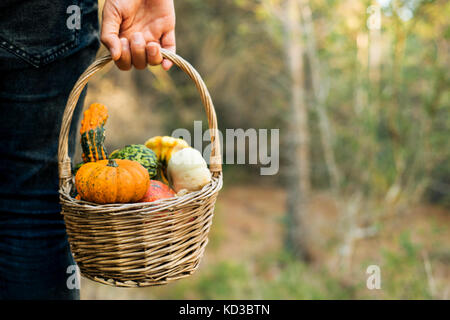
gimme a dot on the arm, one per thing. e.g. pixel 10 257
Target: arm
pixel 135 30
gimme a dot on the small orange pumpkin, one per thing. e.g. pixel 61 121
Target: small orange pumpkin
pixel 112 181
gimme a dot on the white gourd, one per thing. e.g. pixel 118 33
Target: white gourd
pixel 188 170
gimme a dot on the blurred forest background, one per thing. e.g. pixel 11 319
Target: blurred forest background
pixel 360 93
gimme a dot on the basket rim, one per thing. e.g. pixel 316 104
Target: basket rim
pixel 207 191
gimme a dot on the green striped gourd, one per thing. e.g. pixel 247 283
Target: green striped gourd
pixel 140 153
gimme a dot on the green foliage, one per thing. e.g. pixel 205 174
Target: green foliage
pixel 293 279
pixel 284 278
pixel 403 272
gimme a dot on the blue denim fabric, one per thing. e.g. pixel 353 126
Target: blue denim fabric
pixel 34 258
pixel 40 61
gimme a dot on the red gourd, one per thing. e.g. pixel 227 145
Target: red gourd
pixel 157 190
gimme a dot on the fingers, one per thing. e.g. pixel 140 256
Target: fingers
pixel 166 64
pixel 110 31
pixel 154 56
pixel 168 42
pixel 135 52
pixel 138 52
pixel 124 63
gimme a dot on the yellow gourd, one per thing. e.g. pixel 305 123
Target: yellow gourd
pixel 165 147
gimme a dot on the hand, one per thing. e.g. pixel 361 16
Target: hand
pixel 135 30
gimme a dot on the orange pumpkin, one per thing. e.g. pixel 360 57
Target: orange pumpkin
pixel 112 181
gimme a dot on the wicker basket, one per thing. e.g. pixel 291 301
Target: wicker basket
pixel 139 244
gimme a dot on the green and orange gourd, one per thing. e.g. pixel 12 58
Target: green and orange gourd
pixel 93 133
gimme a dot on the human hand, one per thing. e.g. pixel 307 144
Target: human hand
pixel 135 30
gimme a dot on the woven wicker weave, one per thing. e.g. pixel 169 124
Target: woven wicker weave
pixel 139 244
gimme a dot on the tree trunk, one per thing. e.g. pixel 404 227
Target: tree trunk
pixel 320 91
pixel 298 178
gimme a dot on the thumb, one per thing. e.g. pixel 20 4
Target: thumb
pixel 110 31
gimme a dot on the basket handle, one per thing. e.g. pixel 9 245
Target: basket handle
pixel 64 162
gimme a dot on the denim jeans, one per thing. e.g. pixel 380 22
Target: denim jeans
pixel 41 58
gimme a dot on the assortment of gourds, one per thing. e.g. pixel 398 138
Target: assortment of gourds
pixel 163 167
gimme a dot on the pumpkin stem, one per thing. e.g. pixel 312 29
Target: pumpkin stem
pixel 112 163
